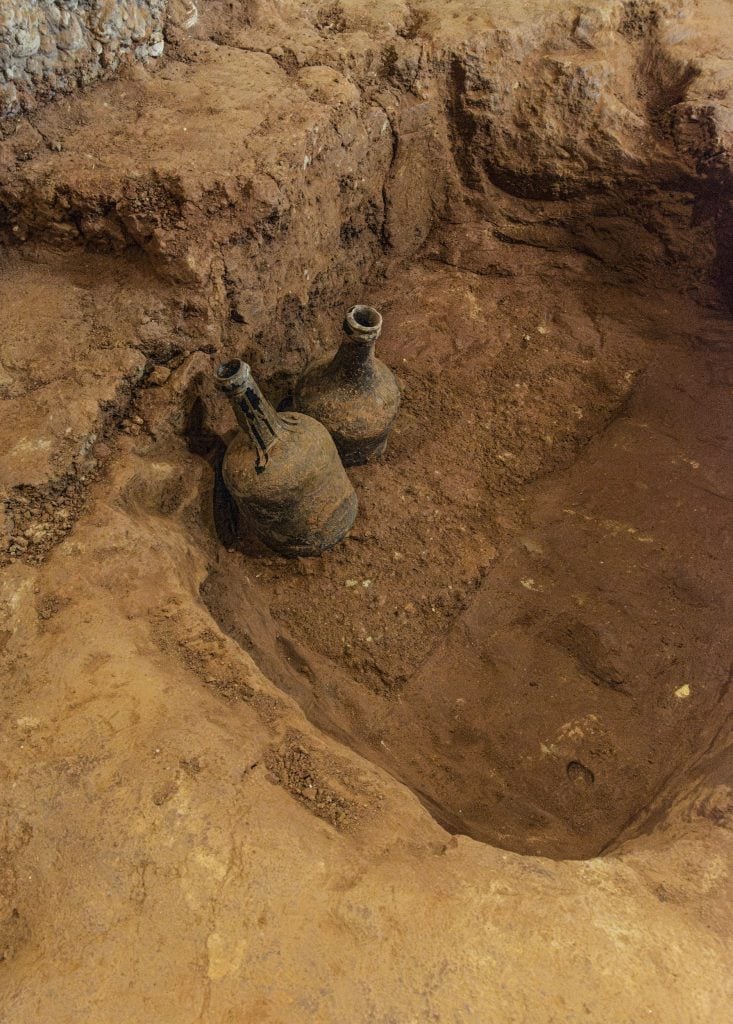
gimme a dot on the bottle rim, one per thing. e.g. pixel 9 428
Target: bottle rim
pixel 232 374
pixel 363 322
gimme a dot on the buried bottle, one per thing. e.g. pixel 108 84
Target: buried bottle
pixel 284 472
pixel 353 394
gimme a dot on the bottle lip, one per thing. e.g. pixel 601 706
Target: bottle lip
pixel 232 375
pixel 363 322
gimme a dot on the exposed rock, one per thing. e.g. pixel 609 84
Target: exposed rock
pixel 50 47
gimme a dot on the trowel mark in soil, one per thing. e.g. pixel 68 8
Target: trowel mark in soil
pixel 584 644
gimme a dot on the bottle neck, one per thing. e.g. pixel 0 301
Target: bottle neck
pixel 255 415
pixel 354 358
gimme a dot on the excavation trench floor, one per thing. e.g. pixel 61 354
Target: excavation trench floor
pixel 527 624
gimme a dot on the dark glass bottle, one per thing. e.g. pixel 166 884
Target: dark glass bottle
pixel 284 472
pixel 353 394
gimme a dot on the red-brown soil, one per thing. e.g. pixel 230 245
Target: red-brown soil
pixel 238 788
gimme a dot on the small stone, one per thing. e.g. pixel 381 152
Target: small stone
pixel 158 376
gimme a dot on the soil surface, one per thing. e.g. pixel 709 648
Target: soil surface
pixel 478 755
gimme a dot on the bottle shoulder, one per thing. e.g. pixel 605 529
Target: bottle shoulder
pixel 304 449
pixel 374 383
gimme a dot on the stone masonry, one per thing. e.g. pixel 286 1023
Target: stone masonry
pixel 53 46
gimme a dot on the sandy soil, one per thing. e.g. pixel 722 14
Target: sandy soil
pixel 474 762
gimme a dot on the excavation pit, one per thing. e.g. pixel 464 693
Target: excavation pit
pixel 522 625
pixel 478 754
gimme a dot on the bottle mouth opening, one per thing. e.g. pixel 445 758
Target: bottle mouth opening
pixel 364 321
pixel 232 374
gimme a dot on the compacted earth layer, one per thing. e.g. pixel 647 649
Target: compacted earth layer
pixel 474 762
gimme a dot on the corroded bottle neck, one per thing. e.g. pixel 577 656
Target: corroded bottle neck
pixel 354 357
pixel 254 413
pixel 362 327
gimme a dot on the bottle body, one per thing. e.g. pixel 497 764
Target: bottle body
pixel 284 473
pixel 353 394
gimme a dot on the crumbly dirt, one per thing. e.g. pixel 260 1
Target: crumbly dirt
pixel 478 755
pixel 328 788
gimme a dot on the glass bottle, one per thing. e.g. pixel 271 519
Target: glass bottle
pixel 284 472
pixel 353 394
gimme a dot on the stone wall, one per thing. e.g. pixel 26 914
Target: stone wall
pixel 52 46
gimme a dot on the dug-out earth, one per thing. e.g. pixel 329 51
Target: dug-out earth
pixel 473 763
